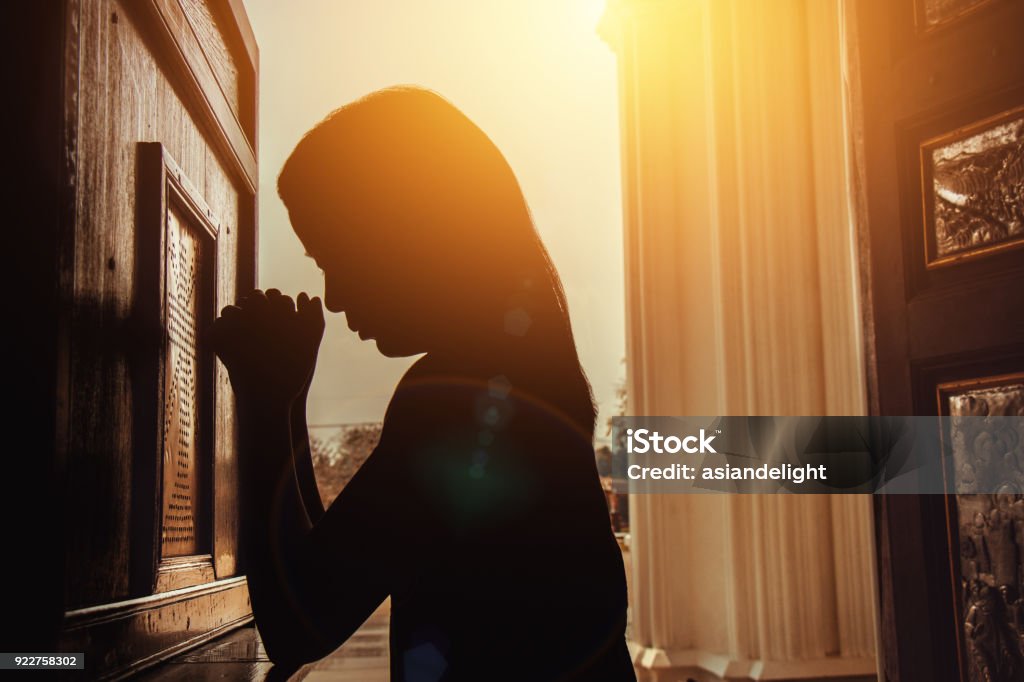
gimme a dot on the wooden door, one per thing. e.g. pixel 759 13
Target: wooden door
pixel 938 133
pixel 136 221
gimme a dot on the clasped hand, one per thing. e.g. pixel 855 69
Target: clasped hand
pixel 269 344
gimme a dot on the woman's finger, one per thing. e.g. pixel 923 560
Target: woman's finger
pixel 219 336
pixel 311 311
pixel 284 303
pixel 318 308
pixel 255 300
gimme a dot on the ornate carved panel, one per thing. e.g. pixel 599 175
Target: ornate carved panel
pixel 974 189
pixel 182 466
pixel 990 527
pixel 179 255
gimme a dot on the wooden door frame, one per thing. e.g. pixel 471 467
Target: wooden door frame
pixel 918 593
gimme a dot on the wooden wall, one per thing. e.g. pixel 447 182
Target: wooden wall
pixel 181 73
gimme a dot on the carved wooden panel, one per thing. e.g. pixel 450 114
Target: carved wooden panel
pixel 987 455
pixel 934 82
pixel 974 189
pixel 180 255
pixel 990 527
pixel 183 399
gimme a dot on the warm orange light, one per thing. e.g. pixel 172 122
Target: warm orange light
pixel 533 74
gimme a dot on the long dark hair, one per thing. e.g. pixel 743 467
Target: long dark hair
pixel 415 183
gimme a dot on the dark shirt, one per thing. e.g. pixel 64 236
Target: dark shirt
pixel 489 529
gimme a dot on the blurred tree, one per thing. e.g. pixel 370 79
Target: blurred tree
pixel 604 460
pixel 337 457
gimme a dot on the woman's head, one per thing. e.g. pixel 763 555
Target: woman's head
pixel 421 230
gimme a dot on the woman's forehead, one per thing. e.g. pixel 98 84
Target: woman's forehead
pixel 316 230
pixel 325 241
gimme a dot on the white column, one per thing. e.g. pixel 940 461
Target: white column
pixel 741 297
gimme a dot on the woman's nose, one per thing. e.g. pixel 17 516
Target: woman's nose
pixel 332 299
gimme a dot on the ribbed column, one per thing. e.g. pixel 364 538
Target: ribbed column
pixel 668 275
pixel 741 299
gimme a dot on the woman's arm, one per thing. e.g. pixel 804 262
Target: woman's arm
pixel 274 524
pixel 303 458
pixel 311 585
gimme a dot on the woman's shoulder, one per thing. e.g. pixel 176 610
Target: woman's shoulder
pixel 430 376
pixel 436 391
pixel 468 393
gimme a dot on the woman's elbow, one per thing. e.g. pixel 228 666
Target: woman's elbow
pixel 289 644
pixel 292 652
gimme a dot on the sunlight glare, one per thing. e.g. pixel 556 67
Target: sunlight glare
pixel 590 12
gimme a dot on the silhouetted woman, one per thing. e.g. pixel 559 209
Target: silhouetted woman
pixel 480 511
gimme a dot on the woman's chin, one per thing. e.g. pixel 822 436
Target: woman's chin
pixel 393 349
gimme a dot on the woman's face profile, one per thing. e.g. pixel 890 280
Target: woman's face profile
pixel 384 300
pixel 417 222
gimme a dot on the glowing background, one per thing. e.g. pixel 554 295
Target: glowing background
pixel 532 73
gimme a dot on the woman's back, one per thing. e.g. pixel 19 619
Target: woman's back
pixel 515 572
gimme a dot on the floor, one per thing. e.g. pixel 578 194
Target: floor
pixel 363 658
pixel 240 656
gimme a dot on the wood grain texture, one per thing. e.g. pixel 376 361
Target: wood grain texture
pixel 215 46
pixel 131 635
pixel 126 97
pixel 184 60
pixel 167 201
